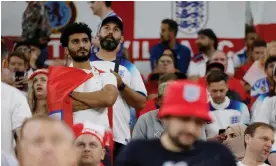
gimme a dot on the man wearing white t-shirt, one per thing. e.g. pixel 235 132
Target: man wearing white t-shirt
pixel 223 110
pixel 14 110
pixel 90 99
pixel 258 138
pixel 130 84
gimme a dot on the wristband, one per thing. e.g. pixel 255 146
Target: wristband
pixel 122 87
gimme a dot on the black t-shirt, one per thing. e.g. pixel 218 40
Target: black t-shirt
pixel 152 153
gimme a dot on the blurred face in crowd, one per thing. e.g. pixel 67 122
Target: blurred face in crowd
pixel 165 34
pixel 24 49
pixel 89 150
pixel 40 86
pixel 220 57
pixel 96 6
pixel 110 36
pixel 260 143
pixel 184 131
pixel 272 48
pixel 204 43
pixel 258 52
pixel 250 38
pixel 218 91
pixel 79 46
pixel 17 64
pixel 165 63
pixel 269 70
pixel 46 143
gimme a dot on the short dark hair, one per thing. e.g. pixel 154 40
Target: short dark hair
pixel 269 60
pixel 167 77
pixel 33 42
pixel 259 43
pixel 272 91
pixel 251 129
pixel 18 44
pixel 18 54
pixel 216 76
pixel 73 28
pixel 4 50
pixel 173 26
pixel 249 29
pixel 108 3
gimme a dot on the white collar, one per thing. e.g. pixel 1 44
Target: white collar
pixel 221 106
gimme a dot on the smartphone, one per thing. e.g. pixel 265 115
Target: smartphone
pixel 221 131
pixel 18 75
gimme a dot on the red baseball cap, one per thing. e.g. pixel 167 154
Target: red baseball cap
pixel 185 98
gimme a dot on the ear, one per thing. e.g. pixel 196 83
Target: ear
pixel 103 154
pixel 66 51
pixel 246 138
pixel 122 39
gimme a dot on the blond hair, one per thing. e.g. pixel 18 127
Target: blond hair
pixel 270 45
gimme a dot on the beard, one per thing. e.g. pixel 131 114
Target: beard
pixel 109 43
pixel 165 41
pixel 178 143
pixel 203 48
pixel 81 57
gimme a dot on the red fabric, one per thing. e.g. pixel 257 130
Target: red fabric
pixel 152 87
pixel 61 82
pixel 150 105
pixel 241 71
pixel 233 84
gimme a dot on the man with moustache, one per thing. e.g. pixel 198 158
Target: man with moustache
pixel 207 44
pixel 169 29
pixel 184 112
pixel 91 98
pixel 132 91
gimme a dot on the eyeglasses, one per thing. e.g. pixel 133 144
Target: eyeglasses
pixel 23 50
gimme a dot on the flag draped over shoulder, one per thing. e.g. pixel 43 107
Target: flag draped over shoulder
pixel 61 82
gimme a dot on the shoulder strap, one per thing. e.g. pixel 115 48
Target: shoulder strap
pixel 117 63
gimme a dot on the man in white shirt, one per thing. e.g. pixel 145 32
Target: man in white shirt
pixel 207 44
pixel 223 110
pixel 130 84
pixel 14 110
pixel 258 138
pixel 90 99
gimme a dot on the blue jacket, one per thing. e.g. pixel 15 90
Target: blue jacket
pixel 182 60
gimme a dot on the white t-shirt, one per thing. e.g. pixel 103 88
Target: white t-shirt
pixel 267 114
pixel 96 83
pixel 241 164
pixel 14 110
pixel 121 110
pixel 198 68
pixel 225 114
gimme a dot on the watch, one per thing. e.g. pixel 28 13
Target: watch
pixel 122 87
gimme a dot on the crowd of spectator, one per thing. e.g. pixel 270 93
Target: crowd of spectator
pixel 206 109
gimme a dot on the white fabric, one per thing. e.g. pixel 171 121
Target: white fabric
pixel 8 159
pixel 254 73
pixel 241 164
pixel 14 110
pixel 236 60
pixel 96 83
pixel 267 114
pixel 225 114
pixel 199 68
pixel 121 110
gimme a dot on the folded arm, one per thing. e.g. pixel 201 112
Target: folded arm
pixel 133 98
pixel 97 99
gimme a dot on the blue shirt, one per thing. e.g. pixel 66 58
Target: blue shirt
pixel 183 56
pixel 152 153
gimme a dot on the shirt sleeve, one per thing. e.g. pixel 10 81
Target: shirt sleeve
pixel 20 110
pixel 230 68
pixel 137 83
pixel 245 117
pixel 139 131
pixel 263 114
pixel 108 79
